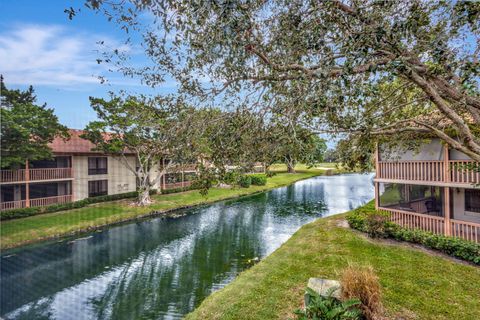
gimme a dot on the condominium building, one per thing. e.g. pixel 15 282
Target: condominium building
pixel 74 173
pixel 433 188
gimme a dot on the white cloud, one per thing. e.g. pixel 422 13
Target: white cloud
pixel 51 55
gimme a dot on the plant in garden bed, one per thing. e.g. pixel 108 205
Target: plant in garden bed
pixel 329 308
pixel 244 181
pixel 258 179
pixel 362 283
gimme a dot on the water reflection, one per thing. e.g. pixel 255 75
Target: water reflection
pixel 164 267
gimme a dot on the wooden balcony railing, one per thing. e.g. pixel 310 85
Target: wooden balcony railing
pixel 177 185
pixel 459 171
pixel 36 202
pixel 461 229
pixel 465 230
pixel 414 220
pixel 462 171
pixel 20 175
pixel 411 170
pixel 13 205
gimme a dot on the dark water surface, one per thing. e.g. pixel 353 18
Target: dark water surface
pixel 162 268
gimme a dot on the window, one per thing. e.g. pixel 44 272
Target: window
pixel 97 188
pixel 472 200
pixel 97 165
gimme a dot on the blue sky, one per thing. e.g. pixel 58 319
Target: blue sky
pixel 40 46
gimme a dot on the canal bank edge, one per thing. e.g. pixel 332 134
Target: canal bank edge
pixel 274 288
pixel 170 212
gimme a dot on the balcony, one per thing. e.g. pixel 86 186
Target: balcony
pixel 428 171
pixel 438 225
pixel 36 202
pixel 33 175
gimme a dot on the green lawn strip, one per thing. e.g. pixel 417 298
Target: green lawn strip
pixel 416 284
pixel 45 226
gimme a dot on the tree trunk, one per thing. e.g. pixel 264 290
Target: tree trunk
pixel 290 167
pixel 144 197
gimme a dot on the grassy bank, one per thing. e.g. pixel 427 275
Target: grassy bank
pixel 416 284
pixel 46 226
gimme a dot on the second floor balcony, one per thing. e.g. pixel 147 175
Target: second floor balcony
pixel 32 175
pixel 452 171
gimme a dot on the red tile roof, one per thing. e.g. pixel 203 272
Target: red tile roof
pixel 75 144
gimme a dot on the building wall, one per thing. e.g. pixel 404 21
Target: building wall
pixel 459 213
pixel 430 151
pixel 120 179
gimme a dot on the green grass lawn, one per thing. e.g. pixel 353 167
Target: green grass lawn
pixel 416 284
pixel 21 231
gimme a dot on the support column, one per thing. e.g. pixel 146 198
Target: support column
pixel 446 210
pixel 27 184
pixel 446 178
pixel 377 195
pixel 72 181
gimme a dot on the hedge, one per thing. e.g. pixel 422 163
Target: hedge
pixel 176 190
pixel 366 220
pixel 26 212
pixel 258 179
pixel 244 181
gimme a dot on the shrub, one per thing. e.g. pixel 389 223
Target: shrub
pixel 258 179
pixel 456 247
pixel 329 308
pixel 359 219
pixel 244 181
pixel 362 283
pixel 230 177
pixel 375 225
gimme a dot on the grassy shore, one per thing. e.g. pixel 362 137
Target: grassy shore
pixel 416 284
pixel 47 226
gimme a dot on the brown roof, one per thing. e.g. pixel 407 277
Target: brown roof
pixel 75 144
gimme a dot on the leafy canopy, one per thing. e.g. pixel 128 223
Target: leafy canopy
pixel 343 61
pixel 26 128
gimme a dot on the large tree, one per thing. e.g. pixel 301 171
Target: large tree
pixel 295 144
pixel 336 53
pixel 26 128
pixel 152 129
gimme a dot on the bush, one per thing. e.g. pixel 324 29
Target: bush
pixel 230 177
pixel 360 219
pixel 375 225
pixel 259 179
pixel 362 284
pixel 329 308
pixel 244 181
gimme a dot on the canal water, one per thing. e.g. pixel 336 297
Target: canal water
pixel 162 268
